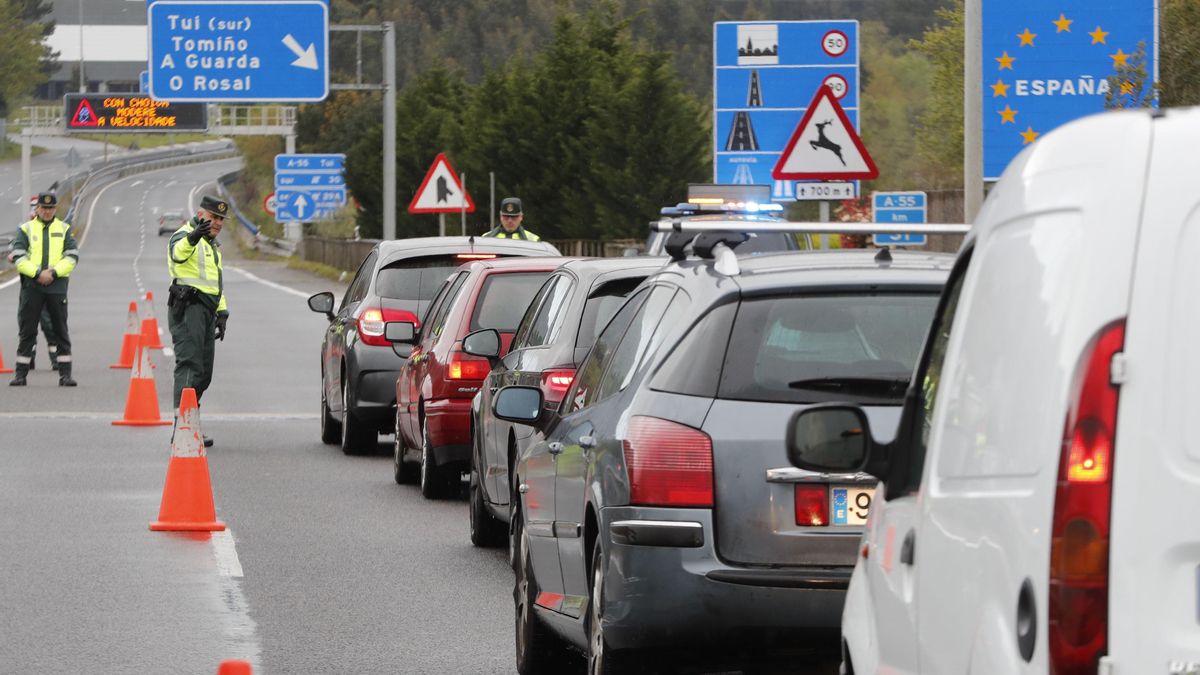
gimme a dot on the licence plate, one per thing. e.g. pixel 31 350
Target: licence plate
pixel 849 505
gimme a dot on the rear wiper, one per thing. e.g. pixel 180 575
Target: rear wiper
pixel 872 385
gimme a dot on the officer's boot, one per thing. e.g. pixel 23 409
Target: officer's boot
pixel 33 360
pixel 64 376
pixel 18 380
pixel 53 353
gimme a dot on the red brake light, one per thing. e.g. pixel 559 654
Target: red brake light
pixel 475 256
pixel 467 367
pixel 371 323
pixel 669 464
pixel 812 505
pixel 555 384
pixel 1082 512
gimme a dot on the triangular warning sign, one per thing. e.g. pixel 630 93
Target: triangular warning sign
pixel 441 191
pixel 825 145
pixel 84 115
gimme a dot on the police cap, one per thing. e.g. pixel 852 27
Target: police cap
pixel 510 206
pixel 215 206
pixel 47 199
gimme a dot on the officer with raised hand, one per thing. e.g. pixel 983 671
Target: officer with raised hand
pixel 510 222
pixel 45 254
pixel 198 313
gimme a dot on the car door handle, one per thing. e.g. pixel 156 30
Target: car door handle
pixel 908 548
pixel 555 447
pixel 587 442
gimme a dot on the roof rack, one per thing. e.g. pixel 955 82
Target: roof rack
pixel 716 239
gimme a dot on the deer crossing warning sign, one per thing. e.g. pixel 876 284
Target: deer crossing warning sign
pixel 825 145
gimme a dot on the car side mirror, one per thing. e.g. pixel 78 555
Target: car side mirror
pixel 522 405
pixel 322 303
pixel 832 438
pixel 403 332
pixel 485 343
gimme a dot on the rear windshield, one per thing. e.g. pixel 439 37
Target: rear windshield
pixel 504 298
pixel 600 306
pixel 811 349
pixel 415 278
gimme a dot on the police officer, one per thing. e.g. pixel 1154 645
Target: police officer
pixel 510 222
pixel 197 297
pixel 45 254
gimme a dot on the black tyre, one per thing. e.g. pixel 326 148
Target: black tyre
pixel 486 530
pixel 601 659
pixel 331 429
pixel 404 472
pixel 538 650
pixel 357 438
pixel 433 484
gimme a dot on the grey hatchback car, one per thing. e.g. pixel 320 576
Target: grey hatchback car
pixel 659 515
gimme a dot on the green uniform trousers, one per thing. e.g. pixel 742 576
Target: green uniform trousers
pixel 31 307
pixel 193 333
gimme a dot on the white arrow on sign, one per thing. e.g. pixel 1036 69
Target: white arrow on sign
pixel 300 202
pixel 307 57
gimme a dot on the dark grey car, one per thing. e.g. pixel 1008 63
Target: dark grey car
pixel 395 282
pixel 555 334
pixel 659 512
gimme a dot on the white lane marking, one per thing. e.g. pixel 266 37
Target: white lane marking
pixel 272 284
pixel 212 417
pixel 10 282
pixel 225 552
pixel 136 183
pixel 92 209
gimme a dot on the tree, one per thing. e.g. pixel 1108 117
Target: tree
pixel 1130 86
pixel 894 99
pixel 20 49
pixel 1179 52
pixel 940 127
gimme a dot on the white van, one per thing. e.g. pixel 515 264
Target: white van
pixel 1040 502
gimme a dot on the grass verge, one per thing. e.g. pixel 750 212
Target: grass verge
pixel 13 151
pixel 144 140
pixel 320 269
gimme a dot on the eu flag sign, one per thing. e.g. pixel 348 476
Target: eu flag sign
pixel 1047 63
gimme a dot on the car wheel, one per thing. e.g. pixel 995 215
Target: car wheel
pixel 402 471
pixel 486 531
pixel 331 430
pixel 514 530
pixel 538 650
pixel 357 439
pixel 601 660
pixel 432 482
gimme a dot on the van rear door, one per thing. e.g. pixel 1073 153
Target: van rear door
pixel 1154 550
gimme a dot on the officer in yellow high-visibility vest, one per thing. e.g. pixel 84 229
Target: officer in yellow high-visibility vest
pixel 510 222
pixel 197 297
pixel 45 253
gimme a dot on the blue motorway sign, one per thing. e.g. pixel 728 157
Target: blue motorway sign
pixel 144 82
pixel 898 208
pixel 1045 64
pixel 239 51
pixel 765 75
pixel 308 186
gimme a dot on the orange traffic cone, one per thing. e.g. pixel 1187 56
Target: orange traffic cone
pixel 141 404
pixel 129 343
pixel 150 325
pixel 187 499
pixel 2 368
pixel 235 667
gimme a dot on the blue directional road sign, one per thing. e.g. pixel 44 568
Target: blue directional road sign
pixel 239 51
pixel 765 75
pixel 144 82
pixel 1045 64
pixel 308 186
pixel 899 208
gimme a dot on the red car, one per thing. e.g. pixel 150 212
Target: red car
pixel 438 381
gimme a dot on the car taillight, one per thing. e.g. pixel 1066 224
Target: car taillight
pixel 371 323
pixel 555 384
pixel 1078 626
pixel 812 505
pixel 466 367
pixel 669 464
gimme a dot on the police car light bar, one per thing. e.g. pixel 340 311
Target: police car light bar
pixel 672 225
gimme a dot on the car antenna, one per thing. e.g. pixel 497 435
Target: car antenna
pixel 884 257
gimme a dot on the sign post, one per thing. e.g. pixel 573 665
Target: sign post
pixel 763 74
pixel 900 208
pixel 239 51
